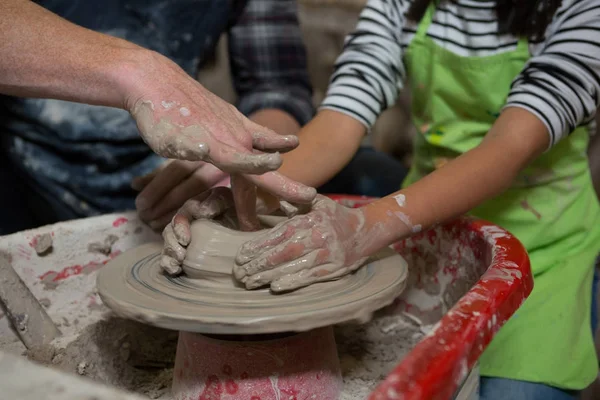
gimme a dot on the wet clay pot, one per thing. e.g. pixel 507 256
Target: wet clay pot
pixel 294 367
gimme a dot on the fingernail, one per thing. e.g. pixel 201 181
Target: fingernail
pixel 292 139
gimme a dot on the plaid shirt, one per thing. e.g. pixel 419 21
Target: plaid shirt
pixel 268 58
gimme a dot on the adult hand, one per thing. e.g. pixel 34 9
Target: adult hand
pixel 180 119
pixel 324 244
pixel 210 204
pixel 165 190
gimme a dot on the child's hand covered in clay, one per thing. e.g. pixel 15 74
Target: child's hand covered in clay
pixel 166 189
pixel 321 245
pixel 177 235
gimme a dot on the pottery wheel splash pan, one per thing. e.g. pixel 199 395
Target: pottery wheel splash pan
pixel 134 286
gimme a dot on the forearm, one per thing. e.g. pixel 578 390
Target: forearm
pixel 488 170
pixel 327 144
pixel 43 55
pixel 277 120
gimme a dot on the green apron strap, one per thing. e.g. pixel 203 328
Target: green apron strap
pixel 523 45
pixel 426 21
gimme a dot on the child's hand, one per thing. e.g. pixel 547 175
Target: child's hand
pixel 178 234
pixel 318 246
pixel 166 189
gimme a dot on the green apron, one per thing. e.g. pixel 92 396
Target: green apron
pixel 551 208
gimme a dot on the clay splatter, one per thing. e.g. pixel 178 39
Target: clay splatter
pixel 42 244
pixel 526 206
pixel 120 221
pixel 51 279
pixel 168 104
pixel 400 199
pixel 104 247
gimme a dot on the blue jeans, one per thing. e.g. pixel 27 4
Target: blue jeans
pixel 369 173
pixel 510 389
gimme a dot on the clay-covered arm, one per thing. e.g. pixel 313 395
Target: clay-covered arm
pixel 516 139
pixel 43 55
pixel 333 240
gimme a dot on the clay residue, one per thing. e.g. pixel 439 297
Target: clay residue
pixel 104 247
pixel 49 281
pixel 45 302
pixel 42 244
pixel 117 352
pixel 368 353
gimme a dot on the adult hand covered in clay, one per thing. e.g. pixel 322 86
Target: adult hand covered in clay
pixel 166 189
pixel 321 245
pixel 178 118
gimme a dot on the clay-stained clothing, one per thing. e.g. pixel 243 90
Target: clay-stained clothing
pixel 81 159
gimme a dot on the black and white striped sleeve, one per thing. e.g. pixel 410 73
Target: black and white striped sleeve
pixel 561 85
pixel 369 73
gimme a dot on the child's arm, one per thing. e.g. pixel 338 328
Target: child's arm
pixel 558 90
pixel 516 139
pixel 327 144
pixel 332 240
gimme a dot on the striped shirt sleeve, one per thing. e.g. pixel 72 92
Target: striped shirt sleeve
pixel 369 73
pixel 561 84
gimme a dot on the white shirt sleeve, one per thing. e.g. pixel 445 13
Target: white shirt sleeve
pixel 561 84
pixel 369 73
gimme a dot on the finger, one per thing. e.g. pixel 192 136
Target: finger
pixel 264 277
pixel 140 182
pixel 286 252
pixel 291 210
pixel 226 181
pixel 206 205
pixel 161 222
pixel 288 209
pixel 201 180
pixel 244 198
pixel 163 183
pixel 182 229
pixel 242 161
pixel 170 265
pixel 209 204
pixel 283 188
pixel 275 237
pixel 307 277
pixel 172 248
pixel 319 273
pixel 271 141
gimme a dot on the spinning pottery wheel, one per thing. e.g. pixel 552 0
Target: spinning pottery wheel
pixel 205 298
